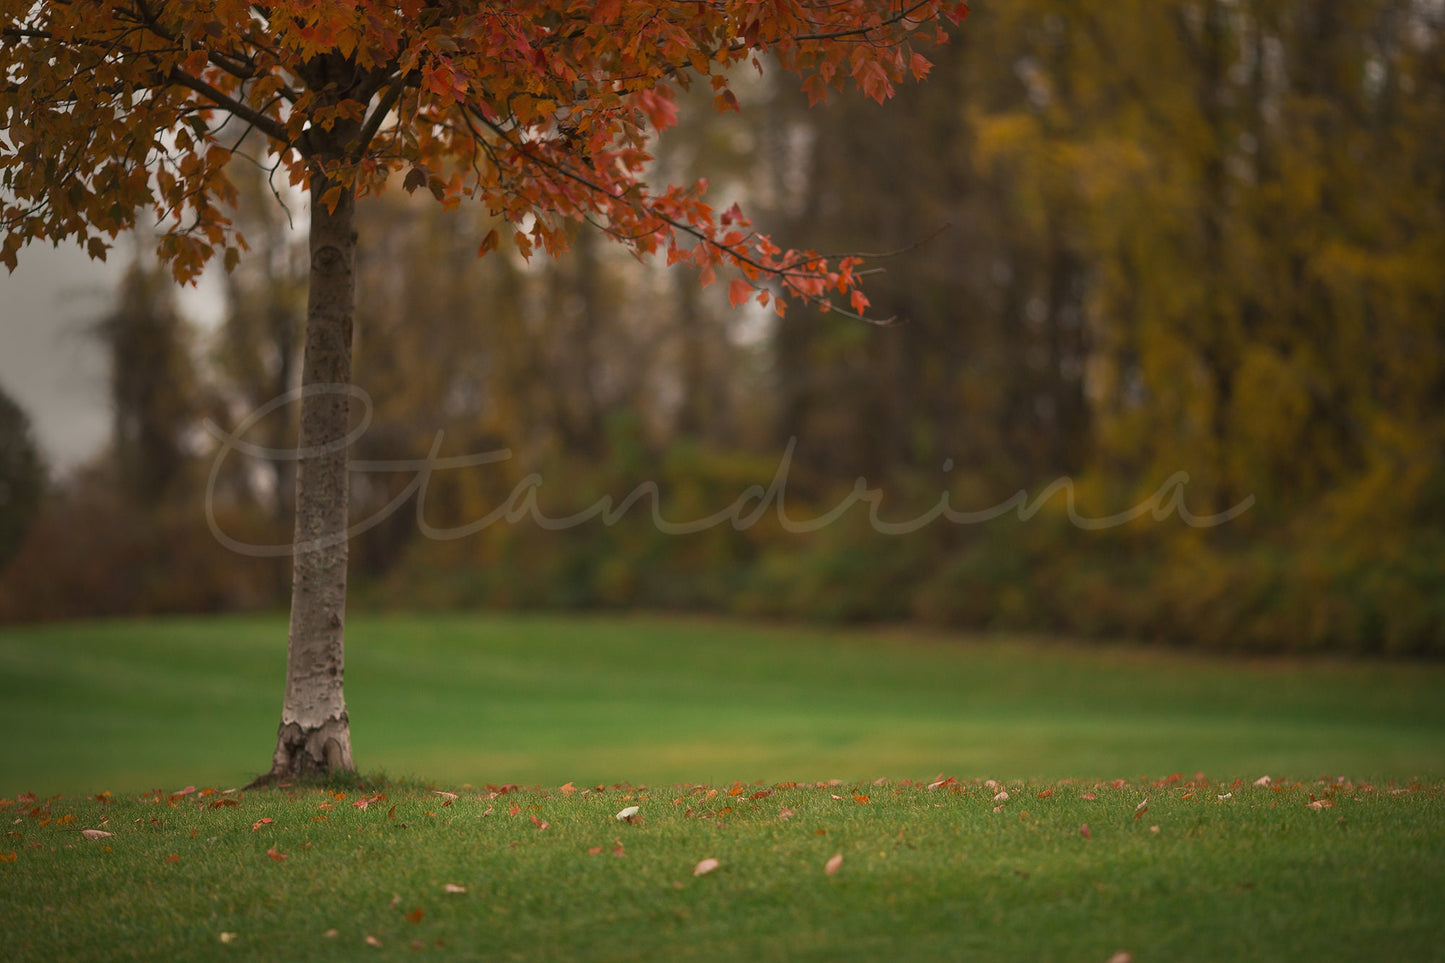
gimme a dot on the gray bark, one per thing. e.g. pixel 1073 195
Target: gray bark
pixel 314 737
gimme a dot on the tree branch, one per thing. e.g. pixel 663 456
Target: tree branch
pixel 266 125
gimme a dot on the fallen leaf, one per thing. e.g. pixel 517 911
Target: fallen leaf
pixel 861 798
pixel 414 916
pixel 706 866
pixel 448 796
pixel 332 933
pixel 1084 831
pixel 1087 795
pixel 539 823
pixel 9 857
pixel 1228 795
pixel 275 854
pixel 1321 804
pixel 453 888
pixel 514 810
pixel 568 789
pixel 1002 796
pixel 628 814
pixel 1188 795
pixel 785 813
pixel 395 901
pixel 942 781
pixel 228 937
pixel 173 858
pixel 1263 781
pixel 264 821
pixel 594 850
pixel 1123 956
pixel 95 833
pixel 372 941
pixel 1045 794
pixel 832 865
pixel 1141 809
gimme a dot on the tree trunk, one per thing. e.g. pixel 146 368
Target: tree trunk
pixel 314 738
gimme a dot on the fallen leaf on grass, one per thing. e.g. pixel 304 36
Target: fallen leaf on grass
pixel 228 937
pixel 453 888
pixel 1228 795
pixel 173 858
pixel 594 850
pixel 332 933
pixel 264 821
pixel 1321 804
pixel 8 857
pixel 539 823
pixel 942 781
pixel 276 854
pixel 1045 794
pixel 1084 831
pixel 1002 796
pixel 785 813
pixel 1263 781
pixel 1141 809
pixel 706 866
pixel 1087 795
pixel 832 865
pixel 630 814
pixel 415 916
pixel 372 941
pixel 95 833
pixel 1123 956
pixel 860 798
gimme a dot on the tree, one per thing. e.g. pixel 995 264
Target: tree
pixel 22 476
pixel 540 110
pixel 153 392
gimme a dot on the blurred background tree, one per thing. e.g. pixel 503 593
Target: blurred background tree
pixel 1129 241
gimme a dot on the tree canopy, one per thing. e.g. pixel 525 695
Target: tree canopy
pixel 542 111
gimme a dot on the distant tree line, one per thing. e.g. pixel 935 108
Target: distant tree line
pixel 1144 238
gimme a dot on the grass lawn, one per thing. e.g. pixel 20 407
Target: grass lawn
pixel 835 736
pixel 543 700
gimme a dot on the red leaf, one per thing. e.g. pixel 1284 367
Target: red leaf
pixel 539 823
pixel 276 854
pixel 1084 831
pixel 263 821
pixel 173 858
pixel 739 291
pixel 415 915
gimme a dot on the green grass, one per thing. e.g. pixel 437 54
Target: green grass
pixel 542 700
pixel 945 873
pixel 678 705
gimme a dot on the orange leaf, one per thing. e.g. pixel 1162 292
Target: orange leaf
pixel 539 823
pixel 860 797
pixel 415 915
pixel 173 858
pixel 263 821
pixel 705 866
pixel 276 854
pixel 739 291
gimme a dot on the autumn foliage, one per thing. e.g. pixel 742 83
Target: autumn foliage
pixel 542 112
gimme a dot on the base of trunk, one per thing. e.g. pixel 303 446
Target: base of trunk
pixel 309 755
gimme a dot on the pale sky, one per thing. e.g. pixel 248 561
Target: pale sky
pixel 48 363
